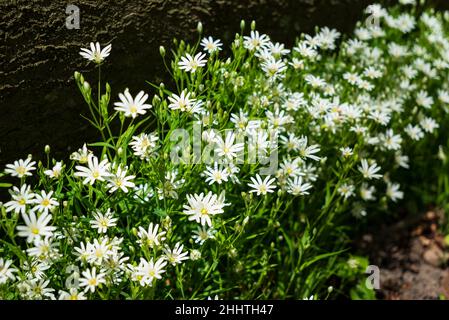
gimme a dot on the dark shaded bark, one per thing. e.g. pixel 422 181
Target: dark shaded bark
pixel 39 101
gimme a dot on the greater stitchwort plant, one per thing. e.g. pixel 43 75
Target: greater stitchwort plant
pixel 240 178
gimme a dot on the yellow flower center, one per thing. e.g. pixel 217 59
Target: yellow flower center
pixel 35 230
pixel 95 174
pixel 204 212
pixel 92 282
pixel 45 202
pixel 21 170
pixel 22 202
pixel 133 109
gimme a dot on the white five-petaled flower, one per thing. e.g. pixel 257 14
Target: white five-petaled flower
pixel 297 187
pixel 6 271
pixel 184 103
pixel 95 171
pixel 175 255
pixel 71 294
pixel 151 237
pixel 202 234
pixel 95 53
pixel 44 202
pixel 216 174
pixel 201 207
pixel 256 41
pixel 191 64
pixel 91 280
pixel 119 180
pixel 262 187
pixel 21 168
pixel 20 199
pixel 369 171
pixel 55 172
pixel 130 106
pixel 103 221
pixel 148 271
pixel 36 227
pixel 227 148
pixel 393 192
pixel 211 45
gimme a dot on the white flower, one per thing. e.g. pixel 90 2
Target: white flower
pixel 96 54
pixel 216 174
pixel 273 68
pixel 184 103
pixel 44 249
pixel 82 155
pixel 367 193
pixel 98 251
pixel 346 152
pixel 308 151
pixel 72 294
pixel 55 172
pixel 20 199
pixel 120 180
pixel 144 145
pixel 6 271
pixel 256 41
pixel 262 187
pixel 211 45
pixel 390 140
pixel 35 227
pixel 227 147
pixel 429 124
pixel 21 168
pixel 414 132
pixel 103 221
pixel 297 187
pixel 202 207
pixel 132 107
pixel 148 271
pixel 95 171
pixel 91 280
pixel 151 237
pixel 44 202
pixel 191 64
pixel 424 100
pixel 369 171
pixel 393 192
pixel 35 268
pixel 175 255
pixel 201 234
pixel 38 289
pixel 346 190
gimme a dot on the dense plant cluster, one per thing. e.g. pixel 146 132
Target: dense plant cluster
pixel 241 180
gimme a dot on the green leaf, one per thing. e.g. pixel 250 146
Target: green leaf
pixel 5 185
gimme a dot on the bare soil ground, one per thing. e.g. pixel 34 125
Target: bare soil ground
pixel 412 256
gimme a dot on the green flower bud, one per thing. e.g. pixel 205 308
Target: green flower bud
pixel 199 27
pixel 253 25
pixel 162 51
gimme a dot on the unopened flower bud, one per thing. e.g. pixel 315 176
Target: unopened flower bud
pixel 47 149
pixel 253 25
pixel 162 51
pixel 242 25
pixel 199 28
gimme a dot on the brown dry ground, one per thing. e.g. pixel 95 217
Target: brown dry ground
pixel 412 257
